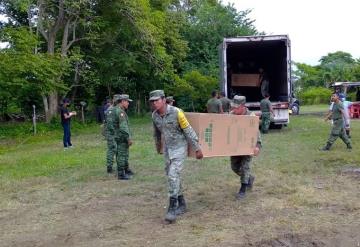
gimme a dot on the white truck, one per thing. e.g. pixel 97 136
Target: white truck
pixel 245 60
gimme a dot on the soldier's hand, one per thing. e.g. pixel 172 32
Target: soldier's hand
pixel 130 142
pixel 199 155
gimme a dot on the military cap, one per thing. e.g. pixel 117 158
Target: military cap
pixel 170 99
pixel 124 97
pixel 156 94
pixel 116 97
pixel 238 100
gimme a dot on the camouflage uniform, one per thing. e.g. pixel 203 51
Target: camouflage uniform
pixel 176 130
pixel 265 106
pixel 225 102
pixel 338 129
pixel 122 135
pixel 214 105
pixel 241 164
pixel 110 138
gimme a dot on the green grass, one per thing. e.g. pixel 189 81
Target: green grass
pixel 51 197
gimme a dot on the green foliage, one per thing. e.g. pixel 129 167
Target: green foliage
pixel 315 95
pixel 193 90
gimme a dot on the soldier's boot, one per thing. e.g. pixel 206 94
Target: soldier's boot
pixel 181 208
pixel 171 213
pixel 251 182
pixel 242 192
pixel 122 175
pixel 348 146
pixel 109 169
pixel 326 147
pixel 129 172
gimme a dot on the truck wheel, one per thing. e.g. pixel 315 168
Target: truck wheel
pixel 295 109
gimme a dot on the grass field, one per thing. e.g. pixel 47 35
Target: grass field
pixel 301 196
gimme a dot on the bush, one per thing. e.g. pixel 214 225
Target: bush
pixel 315 95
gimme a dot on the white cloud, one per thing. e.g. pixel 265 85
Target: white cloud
pixel 315 27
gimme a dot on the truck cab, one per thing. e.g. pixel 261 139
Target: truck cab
pixel 244 64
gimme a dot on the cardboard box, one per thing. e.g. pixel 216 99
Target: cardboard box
pixel 224 134
pixel 245 80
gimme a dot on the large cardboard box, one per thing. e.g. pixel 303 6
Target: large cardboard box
pixel 245 80
pixel 224 134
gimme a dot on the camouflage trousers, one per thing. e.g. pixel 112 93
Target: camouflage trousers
pixel 122 154
pixel 241 166
pixel 173 169
pixel 265 122
pixel 338 130
pixel 110 152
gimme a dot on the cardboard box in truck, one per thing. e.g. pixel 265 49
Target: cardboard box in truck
pixel 224 134
pixel 245 80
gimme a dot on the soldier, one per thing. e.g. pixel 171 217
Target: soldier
pixel 65 122
pixel 214 104
pixel 266 111
pixel 337 114
pixel 241 164
pixel 171 123
pixel 170 100
pixel 225 102
pixel 109 132
pixel 122 136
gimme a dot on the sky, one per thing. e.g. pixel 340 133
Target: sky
pixel 315 27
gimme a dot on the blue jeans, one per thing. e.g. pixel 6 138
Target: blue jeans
pixel 67 134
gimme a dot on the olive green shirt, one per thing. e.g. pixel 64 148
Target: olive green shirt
pixel 336 111
pixel 213 105
pixel 120 123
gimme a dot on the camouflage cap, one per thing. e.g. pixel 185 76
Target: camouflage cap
pixel 238 100
pixel 156 94
pixel 116 97
pixel 170 99
pixel 124 97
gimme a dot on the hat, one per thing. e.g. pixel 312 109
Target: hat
pixel 124 97
pixel 66 100
pixel 170 99
pixel 156 94
pixel 116 97
pixel 238 100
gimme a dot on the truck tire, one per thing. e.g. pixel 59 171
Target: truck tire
pixel 295 109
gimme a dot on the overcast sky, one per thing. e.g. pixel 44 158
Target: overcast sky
pixel 315 27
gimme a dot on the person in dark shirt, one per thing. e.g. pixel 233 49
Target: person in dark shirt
pixel 65 122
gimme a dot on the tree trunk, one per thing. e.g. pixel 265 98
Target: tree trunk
pixel 46 108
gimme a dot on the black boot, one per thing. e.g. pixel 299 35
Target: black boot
pixel 171 213
pixel 242 192
pixel 129 172
pixel 181 206
pixel 348 146
pixel 251 182
pixel 326 148
pixel 109 169
pixel 122 175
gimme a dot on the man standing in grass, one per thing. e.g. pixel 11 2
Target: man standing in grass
pixel 266 111
pixel 122 136
pixel 337 115
pixel 171 123
pixel 110 134
pixel 65 122
pixel 241 164
pixel 214 104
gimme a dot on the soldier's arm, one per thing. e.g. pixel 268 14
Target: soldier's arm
pixel 123 126
pixel 157 138
pixel 188 130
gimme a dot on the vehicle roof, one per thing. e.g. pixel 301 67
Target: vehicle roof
pixel 345 83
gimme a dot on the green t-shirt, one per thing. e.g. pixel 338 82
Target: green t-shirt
pixel 213 105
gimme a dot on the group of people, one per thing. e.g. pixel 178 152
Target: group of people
pixel 172 133
pixel 219 103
